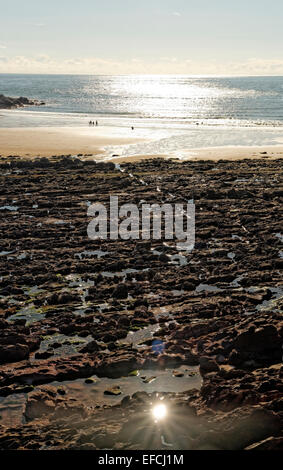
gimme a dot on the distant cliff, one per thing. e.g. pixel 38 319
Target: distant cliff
pixel 9 103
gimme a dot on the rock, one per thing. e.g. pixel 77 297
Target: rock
pixel 123 321
pixel 8 103
pixel 43 355
pixel 62 298
pixel 90 348
pixel 113 391
pixel 220 359
pixel 164 258
pixel 38 404
pixel 90 381
pixel 13 353
pixel 3 324
pixel 149 380
pixel 235 358
pixel 121 292
pixel 141 397
pixel 126 400
pixel 208 365
pixel 177 373
pixel 116 367
pixel 241 428
pixel 261 339
pixel 257 346
pixel 109 338
pixel 45 402
pixel 56 345
pixel 271 443
pixel 134 373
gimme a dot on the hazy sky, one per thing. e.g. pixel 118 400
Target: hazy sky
pixel 232 37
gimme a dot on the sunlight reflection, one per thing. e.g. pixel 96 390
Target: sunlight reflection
pixel 159 412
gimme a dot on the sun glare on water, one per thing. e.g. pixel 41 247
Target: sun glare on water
pixel 159 412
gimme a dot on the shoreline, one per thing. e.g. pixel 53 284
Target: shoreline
pixel 213 153
pixel 93 142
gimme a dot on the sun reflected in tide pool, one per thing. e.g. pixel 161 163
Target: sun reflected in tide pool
pixel 159 412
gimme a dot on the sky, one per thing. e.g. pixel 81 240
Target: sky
pixel 196 37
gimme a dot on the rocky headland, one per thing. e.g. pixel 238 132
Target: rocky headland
pixel 6 102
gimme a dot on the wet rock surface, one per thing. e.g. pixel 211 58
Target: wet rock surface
pixel 73 309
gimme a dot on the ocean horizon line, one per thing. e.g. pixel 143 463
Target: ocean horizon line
pixel 142 75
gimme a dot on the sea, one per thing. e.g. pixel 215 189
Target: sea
pixel 174 112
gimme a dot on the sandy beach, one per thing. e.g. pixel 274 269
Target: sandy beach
pixel 49 141
pixel 56 141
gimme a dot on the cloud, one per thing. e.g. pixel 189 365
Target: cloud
pixel 2 46
pixel 165 65
pixel 258 66
pixel 176 13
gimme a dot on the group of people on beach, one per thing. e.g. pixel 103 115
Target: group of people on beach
pixel 92 123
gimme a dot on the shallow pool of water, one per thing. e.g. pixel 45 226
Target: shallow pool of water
pixel 207 288
pixel 139 336
pixel 88 254
pixel 69 345
pixel 29 313
pixel 159 381
pixel 9 208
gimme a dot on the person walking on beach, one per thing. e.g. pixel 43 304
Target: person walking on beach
pixel 96 123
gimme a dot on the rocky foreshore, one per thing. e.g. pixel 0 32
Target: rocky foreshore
pixel 6 102
pixel 87 327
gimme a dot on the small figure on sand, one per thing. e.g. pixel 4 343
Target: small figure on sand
pixel 90 123
pixel 133 128
pixel 96 123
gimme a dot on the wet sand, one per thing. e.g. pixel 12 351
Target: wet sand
pixel 214 153
pixel 50 141
pixel 91 141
